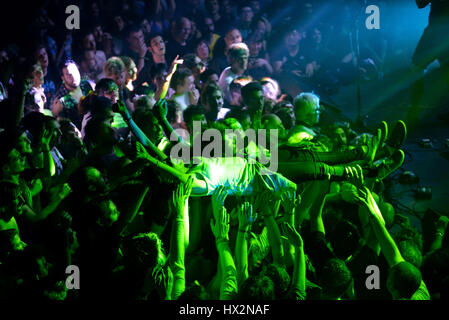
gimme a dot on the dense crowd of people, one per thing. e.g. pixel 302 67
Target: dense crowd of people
pixel 91 121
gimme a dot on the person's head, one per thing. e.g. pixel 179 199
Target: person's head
pixel 280 278
pixel 158 73
pixel 209 76
pixel 273 122
pixel 144 102
pixel 37 75
pixel 90 60
pixel 208 26
pixel 194 291
pixel 183 81
pixel 292 37
pixel 156 44
pixel 335 278
pixel 99 136
pixel 246 14
pixel 255 44
pixel 12 162
pixel 194 64
pixel 242 116
pixel 212 6
pixel 202 50
pixel 115 69
pixel 238 55
pixel 107 88
pixel 181 29
pixel 71 75
pixel 434 268
pixel 10 205
pixel 102 212
pixel 194 113
pixel 89 42
pixel 232 36
pixel 258 287
pixel 271 89
pixel 144 251
pixel 316 35
pixel 410 252
pixel 41 55
pixel 212 99
pixel 147 121
pixel 100 107
pixel 145 26
pixel 307 108
pixel 135 38
pixel 344 239
pixel 252 95
pixel 131 68
pixel 403 280
pixel 284 110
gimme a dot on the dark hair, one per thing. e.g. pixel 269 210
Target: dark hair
pixel 335 278
pixel 258 287
pixel 179 77
pixel 151 36
pixel 434 267
pixel 156 69
pixel 191 111
pixel 410 252
pixel 344 239
pixel 206 74
pixel 250 87
pixel 194 291
pixel 280 278
pixel 405 279
pixel 208 91
pixel 132 28
pixel 105 85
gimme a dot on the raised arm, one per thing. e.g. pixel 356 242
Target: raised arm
pixel 138 133
pixel 246 217
pixel 387 244
pixel 177 241
pixel 164 90
pixel 269 206
pixel 220 229
pixel 298 283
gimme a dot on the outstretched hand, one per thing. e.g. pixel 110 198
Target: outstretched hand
pixel 367 200
pixel 181 194
pixel 161 108
pixel 290 201
pixel 246 215
pixel 218 199
pixel 292 235
pixel 220 228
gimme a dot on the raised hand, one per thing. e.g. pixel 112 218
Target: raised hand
pixel 291 235
pixel 354 175
pixel 290 201
pixel 161 108
pixel 367 200
pixel 163 280
pixel 218 199
pixel 174 65
pixel 246 215
pixel 220 228
pixel 349 193
pixel 180 196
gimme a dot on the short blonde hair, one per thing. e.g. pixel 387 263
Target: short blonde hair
pixel 114 66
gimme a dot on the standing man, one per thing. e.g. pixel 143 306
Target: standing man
pixel 70 93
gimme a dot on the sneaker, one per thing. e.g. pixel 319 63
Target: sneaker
pixel 370 149
pixel 397 136
pixel 390 164
pixel 383 126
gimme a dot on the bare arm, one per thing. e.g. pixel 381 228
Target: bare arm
pixel 387 243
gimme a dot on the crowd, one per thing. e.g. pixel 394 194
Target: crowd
pixel 89 123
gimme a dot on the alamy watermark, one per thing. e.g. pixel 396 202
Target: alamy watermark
pixel 373 20
pixel 254 145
